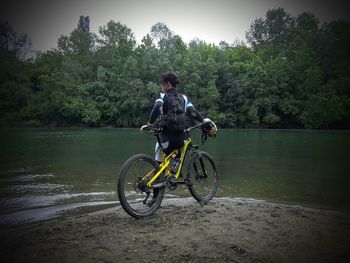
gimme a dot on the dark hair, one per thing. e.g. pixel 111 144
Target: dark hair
pixel 171 77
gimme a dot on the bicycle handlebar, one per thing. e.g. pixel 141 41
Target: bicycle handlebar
pixel 158 131
pixel 151 130
pixel 194 127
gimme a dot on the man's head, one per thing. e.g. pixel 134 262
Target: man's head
pixel 168 81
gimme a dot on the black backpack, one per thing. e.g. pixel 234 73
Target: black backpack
pixel 175 117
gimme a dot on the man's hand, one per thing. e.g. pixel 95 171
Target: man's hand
pixel 207 120
pixel 212 127
pixel 145 128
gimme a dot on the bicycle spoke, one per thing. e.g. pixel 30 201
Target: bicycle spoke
pixel 202 170
pixel 134 196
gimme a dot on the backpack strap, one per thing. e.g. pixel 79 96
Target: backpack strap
pixel 188 102
pixel 160 98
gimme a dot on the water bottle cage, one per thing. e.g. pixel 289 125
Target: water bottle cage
pixel 175 166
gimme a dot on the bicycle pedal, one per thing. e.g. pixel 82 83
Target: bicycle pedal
pixel 180 181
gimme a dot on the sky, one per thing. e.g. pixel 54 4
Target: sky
pixel 213 21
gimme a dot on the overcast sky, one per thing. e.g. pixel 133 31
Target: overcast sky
pixel 209 20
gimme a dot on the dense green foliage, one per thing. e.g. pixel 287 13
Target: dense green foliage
pixel 294 73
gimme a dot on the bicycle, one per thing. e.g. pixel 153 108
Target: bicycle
pixel 142 180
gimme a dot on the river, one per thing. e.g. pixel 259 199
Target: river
pixel 45 173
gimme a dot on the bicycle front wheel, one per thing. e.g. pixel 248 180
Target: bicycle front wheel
pixel 135 197
pixel 203 177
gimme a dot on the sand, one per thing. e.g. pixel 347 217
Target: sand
pixel 224 230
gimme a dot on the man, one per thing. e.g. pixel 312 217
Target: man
pixel 172 108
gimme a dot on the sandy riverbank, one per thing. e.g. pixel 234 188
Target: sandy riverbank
pixel 225 230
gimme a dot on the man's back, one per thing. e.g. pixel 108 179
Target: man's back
pixel 174 112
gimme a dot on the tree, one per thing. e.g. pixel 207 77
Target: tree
pixel 293 74
pixel 269 30
pixel 15 45
pixel 161 34
pixel 84 23
pixel 199 74
pixel 15 85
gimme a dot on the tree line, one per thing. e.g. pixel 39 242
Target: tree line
pixel 292 73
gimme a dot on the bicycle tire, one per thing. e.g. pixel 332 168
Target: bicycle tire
pixel 200 174
pixel 126 185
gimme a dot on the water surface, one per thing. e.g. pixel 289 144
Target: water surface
pixel 49 172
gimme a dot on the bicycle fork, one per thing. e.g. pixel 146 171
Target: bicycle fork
pixel 201 174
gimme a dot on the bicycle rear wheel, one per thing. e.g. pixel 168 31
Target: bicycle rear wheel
pixel 135 197
pixel 203 177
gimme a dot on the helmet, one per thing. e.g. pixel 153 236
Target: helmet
pixel 209 129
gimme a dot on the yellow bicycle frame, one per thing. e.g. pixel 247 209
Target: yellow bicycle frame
pixel 165 164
